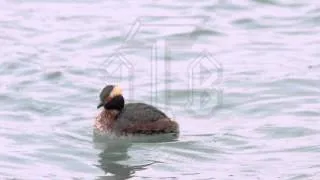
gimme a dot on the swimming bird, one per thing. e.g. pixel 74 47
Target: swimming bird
pixel 131 118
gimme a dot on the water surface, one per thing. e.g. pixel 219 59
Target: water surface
pixel 241 78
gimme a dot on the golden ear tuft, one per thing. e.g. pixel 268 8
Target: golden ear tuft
pixel 116 91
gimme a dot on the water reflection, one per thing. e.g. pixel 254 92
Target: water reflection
pixel 108 162
pixel 115 150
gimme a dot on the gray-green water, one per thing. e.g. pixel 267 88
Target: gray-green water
pixel 241 77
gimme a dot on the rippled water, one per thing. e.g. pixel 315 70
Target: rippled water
pixel 241 78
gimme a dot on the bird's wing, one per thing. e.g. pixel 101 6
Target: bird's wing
pixel 144 118
pixel 140 112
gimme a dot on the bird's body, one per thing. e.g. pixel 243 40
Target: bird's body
pixel 132 118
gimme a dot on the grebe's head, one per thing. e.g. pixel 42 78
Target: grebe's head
pixel 111 98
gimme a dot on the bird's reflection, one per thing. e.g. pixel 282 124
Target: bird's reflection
pixel 114 150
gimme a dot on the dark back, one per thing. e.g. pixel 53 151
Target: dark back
pixel 139 113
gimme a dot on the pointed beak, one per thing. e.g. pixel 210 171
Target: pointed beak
pixel 100 104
